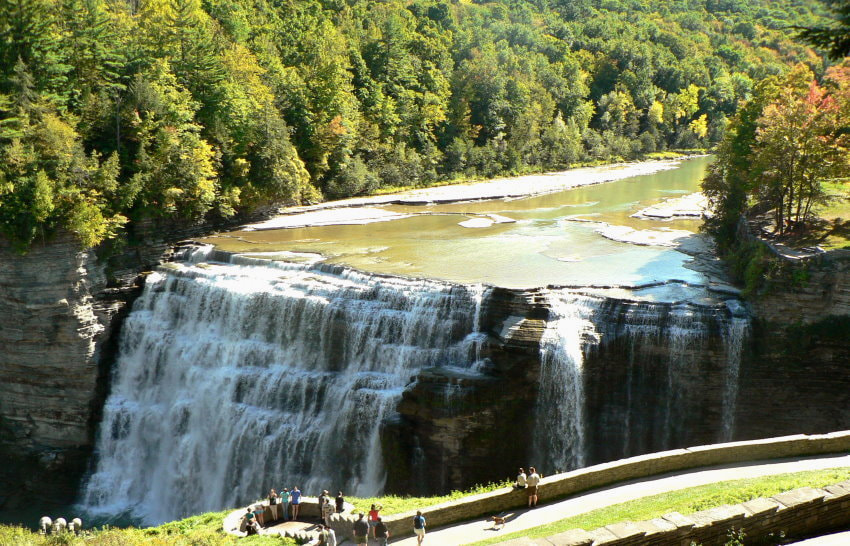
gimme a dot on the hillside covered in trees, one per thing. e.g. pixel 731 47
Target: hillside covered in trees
pixel 116 110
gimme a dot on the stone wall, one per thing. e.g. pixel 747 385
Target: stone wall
pixel 798 513
pixel 569 483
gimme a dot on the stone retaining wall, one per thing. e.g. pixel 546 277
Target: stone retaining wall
pixel 802 512
pixel 568 483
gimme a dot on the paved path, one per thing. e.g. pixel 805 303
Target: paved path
pixel 465 533
pixel 837 539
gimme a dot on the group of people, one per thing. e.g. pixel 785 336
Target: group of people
pixel 530 483
pixel 286 506
pixel 376 527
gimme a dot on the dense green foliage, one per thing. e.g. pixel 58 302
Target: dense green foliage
pixel 833 38
pixel 121 109
pixel 781 150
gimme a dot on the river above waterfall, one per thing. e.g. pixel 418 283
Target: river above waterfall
pixel 272 352
pixel 585 235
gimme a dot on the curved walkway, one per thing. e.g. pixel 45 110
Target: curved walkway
pixel 520 520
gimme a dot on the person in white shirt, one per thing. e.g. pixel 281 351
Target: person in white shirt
pixel 532 481
pixel 520 479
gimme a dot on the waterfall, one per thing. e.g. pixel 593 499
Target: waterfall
pixel 656 371
pixel 559 421
pixel 737 332
pixel 236 377
pixel 687 332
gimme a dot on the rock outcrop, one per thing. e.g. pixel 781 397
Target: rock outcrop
pixel 52 330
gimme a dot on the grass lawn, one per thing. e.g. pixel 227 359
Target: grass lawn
pixel 836 214
pixel 685 501
pixel 396 505
pixel 830 228
pixel 206 528
pixel 196 530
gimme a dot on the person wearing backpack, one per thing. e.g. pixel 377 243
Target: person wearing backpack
pixel 419 526
pixel 382 534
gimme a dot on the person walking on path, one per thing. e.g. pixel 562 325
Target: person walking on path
pixel 285 497
pixel 340 503
pixel 382 533
pixel 361 530
pixel 533 481
pixel 295 500
pixel 419 526
pixel 520 479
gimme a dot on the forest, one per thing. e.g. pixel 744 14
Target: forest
pixel 112 111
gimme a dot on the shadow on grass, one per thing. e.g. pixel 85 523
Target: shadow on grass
pixel 829 233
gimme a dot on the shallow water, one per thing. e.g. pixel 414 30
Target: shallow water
pixel 553 240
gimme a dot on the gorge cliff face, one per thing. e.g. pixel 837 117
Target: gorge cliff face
pixel 799 379
pixel 652 375
pixel 52 331
pixel 61 309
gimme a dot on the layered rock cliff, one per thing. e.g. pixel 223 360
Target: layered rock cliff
pixel 799 380
pixel 52 330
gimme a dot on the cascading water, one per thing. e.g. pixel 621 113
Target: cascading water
pixel 559 426
pixel 237 374
pixel 737 331
pixel 236 377
pixel 650 364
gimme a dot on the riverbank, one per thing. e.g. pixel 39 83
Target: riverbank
pixel 335 213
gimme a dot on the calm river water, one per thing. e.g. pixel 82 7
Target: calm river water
pixel 554 239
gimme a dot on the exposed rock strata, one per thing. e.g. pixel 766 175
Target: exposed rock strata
pixel 51 330
pixel 60 312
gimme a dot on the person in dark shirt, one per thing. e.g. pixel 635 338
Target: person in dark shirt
pixel 340 503
pixel 382 533
pixel 361 530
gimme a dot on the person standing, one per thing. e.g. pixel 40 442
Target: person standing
pixel 327 510
pixel 273 504
pixel 419 526
pixel 533 481
pixel 295 501
pixel 374 517
pixel 361 530
pixel 285 497
pixel 521 481
pixel 382 533
pixel 340 503
pixel 331 536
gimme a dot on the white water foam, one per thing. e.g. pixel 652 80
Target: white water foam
pixel 559 423
pixel 234 378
